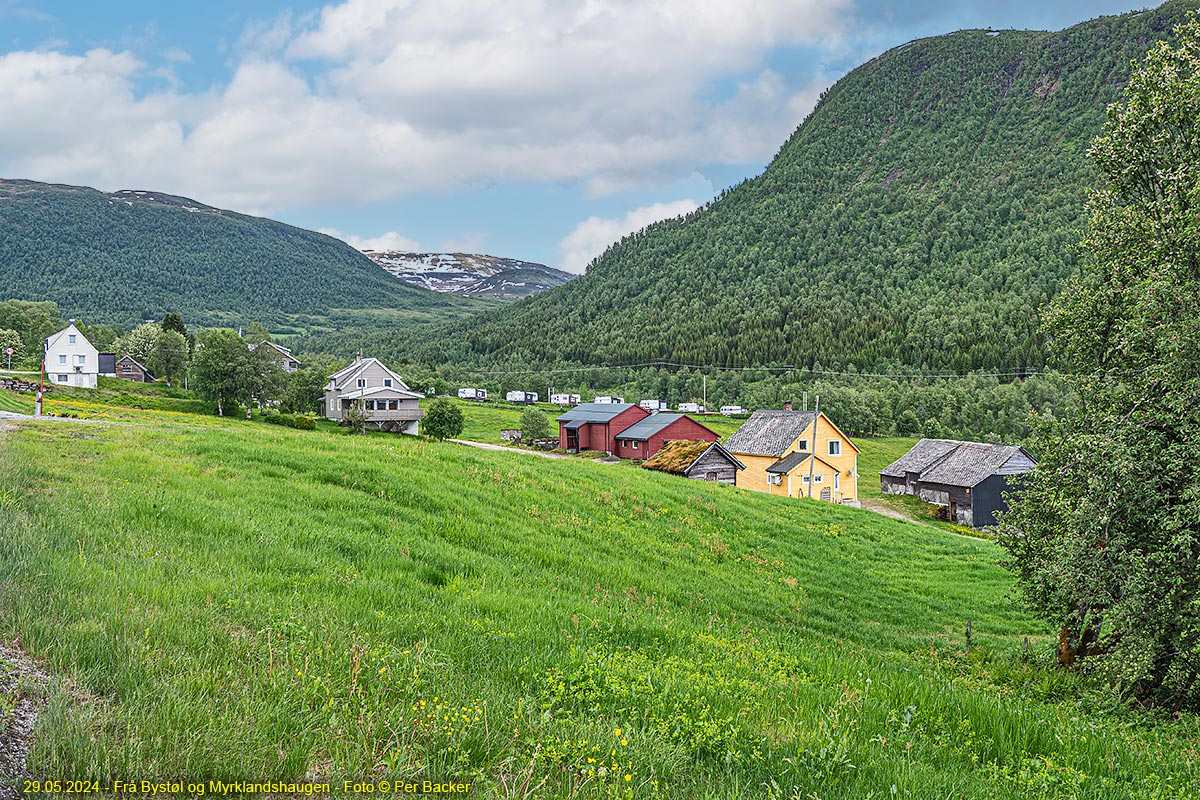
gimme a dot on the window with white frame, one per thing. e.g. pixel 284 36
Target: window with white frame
pixel 803 445
pixel 837 480
pixel 387 382
pixel 362 383
pixel 818 478
pixel 62 358
pixel 835 447
pixel 70 338
pixel 804 479
pixel 62 378
pixel 81 359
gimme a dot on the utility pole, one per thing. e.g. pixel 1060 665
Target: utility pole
pixel 704 400
pixel 41 388
pixel 812 446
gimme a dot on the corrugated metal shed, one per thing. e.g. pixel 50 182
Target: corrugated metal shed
pixel 593 412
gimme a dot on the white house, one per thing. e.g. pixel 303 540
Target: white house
pixel 389 404
pixel 71 360
pixel 287 361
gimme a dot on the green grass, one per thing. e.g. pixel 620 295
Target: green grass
pixel 223 599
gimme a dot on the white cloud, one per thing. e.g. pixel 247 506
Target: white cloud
pixel 401 96
pixel 388 241
pixel 593 236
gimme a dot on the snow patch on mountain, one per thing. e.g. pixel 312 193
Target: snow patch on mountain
pixel 470 273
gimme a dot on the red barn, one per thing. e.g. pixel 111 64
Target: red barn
pixel 594 426
pixel 645 438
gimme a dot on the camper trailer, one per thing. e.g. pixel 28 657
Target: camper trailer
pixel 472 394
pixel 525 398
pixel 565 399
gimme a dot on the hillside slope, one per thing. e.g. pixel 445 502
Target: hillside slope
pixel 921 215
pixel 471 274
pixel 133 255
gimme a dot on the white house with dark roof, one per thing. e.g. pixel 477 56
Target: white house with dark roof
pixel 287 362
pixel 71 360
pixel 388 402
pixel 971 479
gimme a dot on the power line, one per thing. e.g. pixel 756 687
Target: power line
pixel 780 368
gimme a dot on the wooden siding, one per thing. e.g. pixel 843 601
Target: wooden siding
pixel 684 429
pixel 754 477
pixel 713 466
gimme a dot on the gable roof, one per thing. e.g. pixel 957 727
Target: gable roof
pixel 923 455
pixel 770 433
pixel 594 412
pixel 54 337
pixel 343 376
pixel 792 460
pixel 127 357
pixel 956 463
pixel 642 430
pixel 677 456
pixel 282 350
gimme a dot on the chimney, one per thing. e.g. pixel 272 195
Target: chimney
pixel 70 322
pixel 787 406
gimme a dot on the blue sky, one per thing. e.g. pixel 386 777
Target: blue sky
pixel 535 129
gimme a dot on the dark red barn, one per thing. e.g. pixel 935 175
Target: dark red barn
pixel 594 426
pixel 645 438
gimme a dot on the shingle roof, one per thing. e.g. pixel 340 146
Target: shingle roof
pixel 770 433
pixel 923 455
pixel 969 464
pixel 594 412
pixel 677 456
pixel 955 463
pixel 788 463
pixel 643 429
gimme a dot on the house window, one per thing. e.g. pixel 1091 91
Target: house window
pixel 835 447
pixel 818 478
pixel 804 479
pixel 837 480
pixel 80 359
pixel 62 378
pixel 362 383
pixel 393 405
pixel 635 445
pixel 387 382
pixel 803 445
pixel 70 338
pixel 62 359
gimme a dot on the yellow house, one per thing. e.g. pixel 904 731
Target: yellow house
pixel 796 454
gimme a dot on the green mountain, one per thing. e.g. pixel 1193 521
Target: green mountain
pixel 131 255
pixel 920 216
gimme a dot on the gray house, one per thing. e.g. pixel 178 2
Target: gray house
pixel 970 479
pixel 389 404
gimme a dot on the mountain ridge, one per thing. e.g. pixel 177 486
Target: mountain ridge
pixel 471 274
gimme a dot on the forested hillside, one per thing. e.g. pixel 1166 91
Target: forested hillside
pixel 921 216
pixel 128 256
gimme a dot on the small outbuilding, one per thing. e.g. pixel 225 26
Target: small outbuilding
pixel 697 461
pixel 127 368
pixel 594 426
pixel 970 479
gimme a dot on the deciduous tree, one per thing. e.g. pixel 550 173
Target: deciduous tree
pixel 443 420
pixel 1106 538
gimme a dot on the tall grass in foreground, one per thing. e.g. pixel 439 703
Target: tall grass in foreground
pixel 238 601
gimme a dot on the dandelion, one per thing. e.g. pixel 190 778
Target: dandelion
pixel 616 731
pixel 628 777
pixel 624 742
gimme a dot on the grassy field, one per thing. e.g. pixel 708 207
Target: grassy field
pixel 223 599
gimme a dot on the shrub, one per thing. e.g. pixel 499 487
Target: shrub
pixel 443 420
pixel 303 423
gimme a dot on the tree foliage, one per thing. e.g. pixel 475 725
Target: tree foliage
pixel 169 356
pixel 10 338
pixel 227 371
pixel 443 419
pixel 139 342
pixel 1106 539
pixel 534 424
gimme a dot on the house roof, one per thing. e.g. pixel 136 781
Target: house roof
pixel 594 412
pixel 386 392
pixel 770 433
pixel 642 430
pixel 970 463
pixel 955 463
pixel 54 337
pixel 923 455
pixel 343 376
pixel 283 350
pixel 127 357
pixel 107 363
pixel 793 460
pixel 678 456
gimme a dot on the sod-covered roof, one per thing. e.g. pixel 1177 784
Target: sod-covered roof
pixel 677 456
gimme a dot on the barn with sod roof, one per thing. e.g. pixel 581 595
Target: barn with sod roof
pixel 698 461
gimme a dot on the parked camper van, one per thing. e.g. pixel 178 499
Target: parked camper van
pixel 472 394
